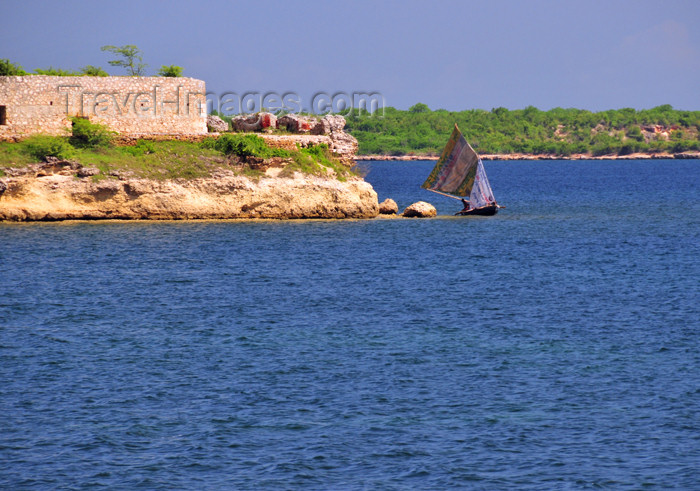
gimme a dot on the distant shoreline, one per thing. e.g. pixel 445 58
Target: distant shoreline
pixel 523 156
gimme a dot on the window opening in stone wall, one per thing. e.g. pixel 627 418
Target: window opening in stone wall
pixel 3 115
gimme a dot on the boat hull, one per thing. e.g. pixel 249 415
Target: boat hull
pixel 487 211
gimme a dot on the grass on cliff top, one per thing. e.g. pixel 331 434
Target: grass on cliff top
pixel 315 160
pixel 147 159
pixel 169 159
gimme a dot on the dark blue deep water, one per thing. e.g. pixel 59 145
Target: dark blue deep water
pixel 553 346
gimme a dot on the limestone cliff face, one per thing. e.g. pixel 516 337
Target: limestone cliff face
pixel 226 196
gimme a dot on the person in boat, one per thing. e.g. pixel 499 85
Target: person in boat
pixel 466 204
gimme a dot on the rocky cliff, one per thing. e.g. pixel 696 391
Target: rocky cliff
pixel 64 189
pixel 224 196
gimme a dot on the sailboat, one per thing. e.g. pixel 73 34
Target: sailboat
pixel 459 173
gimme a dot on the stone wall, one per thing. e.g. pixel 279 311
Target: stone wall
pixel 132 106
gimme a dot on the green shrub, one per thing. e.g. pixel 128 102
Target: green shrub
pixel 57 72
pixel 320 153
pixel 316 160
pixel 42 146
pixel 634 132
pixel 170 71
pixel 90 135
pixel 304 163
pixel 246 145
pixel 142 147
pixel 7 68
pixel 93 71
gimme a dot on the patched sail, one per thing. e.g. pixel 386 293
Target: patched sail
pixel 459 172
pixel 481 193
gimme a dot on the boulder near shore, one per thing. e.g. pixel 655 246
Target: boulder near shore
pixel 388 207
pixel 421 209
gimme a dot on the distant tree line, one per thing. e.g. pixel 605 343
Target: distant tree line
pixel 129 58
pixel 561 132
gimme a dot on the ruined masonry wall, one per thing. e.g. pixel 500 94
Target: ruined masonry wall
pixel 132 106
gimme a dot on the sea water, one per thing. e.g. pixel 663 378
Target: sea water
pixel 554 345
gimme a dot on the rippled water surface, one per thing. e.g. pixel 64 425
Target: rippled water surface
pixel 552 346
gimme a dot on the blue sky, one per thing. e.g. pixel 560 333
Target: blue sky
pixel 593 54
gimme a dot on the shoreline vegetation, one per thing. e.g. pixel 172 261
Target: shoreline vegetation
pixel 421 133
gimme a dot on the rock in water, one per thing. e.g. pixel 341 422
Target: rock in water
pixel 216 124
pixel 421 209
pixel 388 207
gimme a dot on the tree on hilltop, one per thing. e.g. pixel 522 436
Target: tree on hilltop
pixel 132 59
pixel 419 108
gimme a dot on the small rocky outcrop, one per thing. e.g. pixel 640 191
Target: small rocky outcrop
pixel 87 171
pixel 421 209
pixel 216 124
pixel 51 166
pixel 328 124
pixel 255 122
pixel 344 143
pixel 687 155
pixel 388 207
pixel 332 125
pixel 328 129
pixel 294 123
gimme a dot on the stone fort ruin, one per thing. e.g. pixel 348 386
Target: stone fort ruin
pixel 131 106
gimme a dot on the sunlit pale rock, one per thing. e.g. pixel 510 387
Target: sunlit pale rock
pixel 216 124
pixel 421 209
pixel 226 195
pixel 388 207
